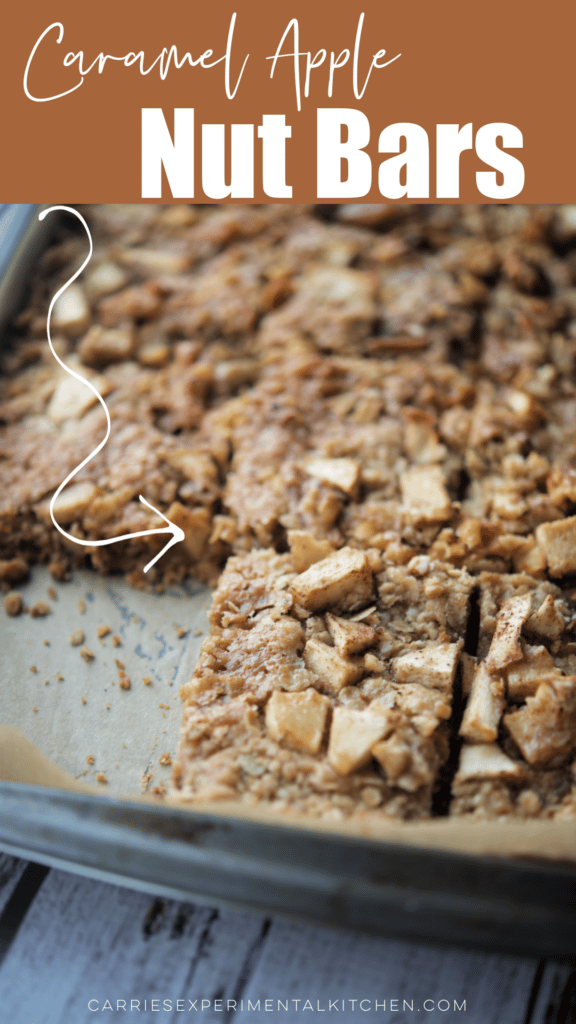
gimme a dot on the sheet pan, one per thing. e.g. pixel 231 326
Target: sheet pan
pixel 509 887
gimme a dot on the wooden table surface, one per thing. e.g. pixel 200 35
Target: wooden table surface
pixel 74 950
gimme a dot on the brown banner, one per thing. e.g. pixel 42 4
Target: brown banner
pixel 420 102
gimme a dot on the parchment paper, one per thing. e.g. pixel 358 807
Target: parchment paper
pixel 127 738
pixel 125 731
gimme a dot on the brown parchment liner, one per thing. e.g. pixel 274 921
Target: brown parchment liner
pixel 21 761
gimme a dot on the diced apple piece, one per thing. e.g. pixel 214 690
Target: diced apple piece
pixel 424 494
pixel 343 473
pixel 195 466
pixel 71 314
pixel 394 756
pixel 334 670
pixel 505 648
pixel 73 502
pixel 548 621
pixel 105 278
pixel 544 728
pixel 486 761
pixel 155 261
pixel 435 666
pixel 525 677
pixel 196 523
pixel 420 438
pixel 350 637
pixel 353 734
pixel 558 541
pixel 343 580
pixel 306 549
pixel 70 400
pixel 484 708
pixel 298 719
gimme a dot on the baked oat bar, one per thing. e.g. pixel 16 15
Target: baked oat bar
pixel 325 691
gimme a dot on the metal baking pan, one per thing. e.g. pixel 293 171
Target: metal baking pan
pixel 427 882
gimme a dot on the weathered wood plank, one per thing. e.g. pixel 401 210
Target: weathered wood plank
pixel 11 869
pixel 85 940
pixel 319 964
pixel 551 1002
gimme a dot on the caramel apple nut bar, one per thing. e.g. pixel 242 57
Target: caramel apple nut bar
pixel 363 419
pixel 326 691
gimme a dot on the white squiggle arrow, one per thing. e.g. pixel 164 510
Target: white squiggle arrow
pixel 176 531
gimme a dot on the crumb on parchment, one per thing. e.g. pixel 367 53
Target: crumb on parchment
pixel 40 609
pixel 13 603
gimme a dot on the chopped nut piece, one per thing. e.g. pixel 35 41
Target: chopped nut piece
pixel 90 759
pixel 350 637
pixel 116 641
pixel 101 346
pixel 334 670
pixel 486 761
pixel 40 609
pixel 33 668
pixel 81 606
pixel 435 666
pixel 525 676
pixel 484 708
pixel 147 680
pixel 298 719
pixel 103 631
pixel 87 654
pixel 342 473
pixel 354 733
pixel 306 549
pixel 343 580
pixel 13 603
pixel 83 699
pixel 424 494
pixel 124 682
pixel 101 777
pixel 505 647
pixel 558 541
pixel 77 638
pixel 545 727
